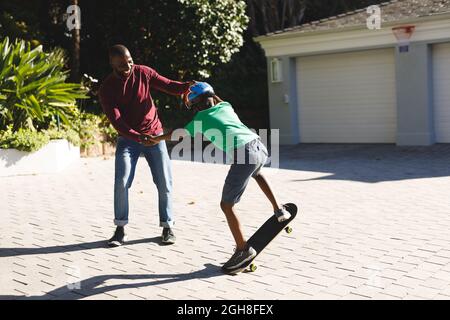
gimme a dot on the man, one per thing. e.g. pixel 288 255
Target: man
pixel 126 100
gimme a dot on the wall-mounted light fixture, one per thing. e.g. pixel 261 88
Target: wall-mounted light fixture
pixel 276 73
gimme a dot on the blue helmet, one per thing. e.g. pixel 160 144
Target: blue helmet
pixel 196 91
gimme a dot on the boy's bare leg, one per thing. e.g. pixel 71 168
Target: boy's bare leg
pixel 234 225
pixel 264 185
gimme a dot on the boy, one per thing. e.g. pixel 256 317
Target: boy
pixel 213 113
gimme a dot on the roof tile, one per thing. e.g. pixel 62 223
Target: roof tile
pixel 390 12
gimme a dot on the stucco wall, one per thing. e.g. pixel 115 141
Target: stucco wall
pixel 414 96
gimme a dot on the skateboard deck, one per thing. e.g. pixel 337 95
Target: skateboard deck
pixel 265 234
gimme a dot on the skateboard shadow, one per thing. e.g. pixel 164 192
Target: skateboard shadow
pixel 11 252
pixel 93 286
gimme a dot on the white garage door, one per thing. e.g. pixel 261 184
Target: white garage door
pixel 348 97
pixel 441 85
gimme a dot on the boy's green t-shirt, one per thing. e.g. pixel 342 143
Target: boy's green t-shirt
pixel 221 125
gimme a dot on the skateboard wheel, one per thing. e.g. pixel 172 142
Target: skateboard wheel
pixel 288 230
pixel 253 267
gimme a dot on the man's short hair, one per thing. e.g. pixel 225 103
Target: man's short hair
pixel 118 50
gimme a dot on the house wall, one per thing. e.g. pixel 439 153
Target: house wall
pixel 283 104
pixel 414 82
pixel 415 96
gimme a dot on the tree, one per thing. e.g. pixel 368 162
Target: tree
pixel 17 21
pixel 182 38
pixel 188 37
pixel 271 15
pixel 75 75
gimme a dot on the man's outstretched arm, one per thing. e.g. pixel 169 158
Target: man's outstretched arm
pixel 168 86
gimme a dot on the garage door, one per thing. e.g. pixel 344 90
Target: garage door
pixel 441 85
pixel 347 98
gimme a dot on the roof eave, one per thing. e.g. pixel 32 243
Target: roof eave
pixel 294 34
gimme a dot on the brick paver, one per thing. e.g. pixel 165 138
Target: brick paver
pixel 373 224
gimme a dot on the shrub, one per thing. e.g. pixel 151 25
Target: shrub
pixel 106 128
pixel 82 132
pixel 33 92
pixel 86 125
pixel 91 127
pixel 65 133
pixel 23 140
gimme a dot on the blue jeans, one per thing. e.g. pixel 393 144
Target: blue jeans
pixel 127 155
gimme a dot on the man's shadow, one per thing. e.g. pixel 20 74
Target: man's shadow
pixel 90 287
pixel 11 252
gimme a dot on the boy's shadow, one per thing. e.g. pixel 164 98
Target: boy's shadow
pixel 89 287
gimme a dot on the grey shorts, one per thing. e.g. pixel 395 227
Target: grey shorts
pixel 241 171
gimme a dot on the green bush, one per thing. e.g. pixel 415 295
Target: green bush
pixel 106 128
pixel 91 127
pixel 65 133
pixel 33 91
pixel 82 132
pixel 87 127
pixel 31 140
pixel 23 140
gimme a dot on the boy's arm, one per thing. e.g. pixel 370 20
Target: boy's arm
pixel 167 136
pixel 189 129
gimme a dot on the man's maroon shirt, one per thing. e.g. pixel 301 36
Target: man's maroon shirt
pixel 128 104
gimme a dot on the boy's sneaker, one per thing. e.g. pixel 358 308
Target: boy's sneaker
pixel 167 236
pixel 239 258
pixel 282 214
pixel 118 238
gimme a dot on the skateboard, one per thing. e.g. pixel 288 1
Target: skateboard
pixel 264 235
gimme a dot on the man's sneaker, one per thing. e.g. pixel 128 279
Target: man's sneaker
pixel 282 214
pixel 239 258
pixel 168 237
pixel 118 238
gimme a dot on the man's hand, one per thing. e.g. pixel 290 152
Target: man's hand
pixel 147 140
pixel 155 139
pixel 148 143
pixel 185 94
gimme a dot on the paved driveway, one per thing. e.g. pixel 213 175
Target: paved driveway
pixel 374 223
